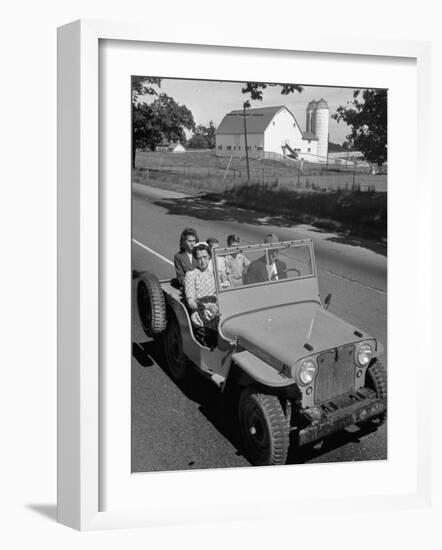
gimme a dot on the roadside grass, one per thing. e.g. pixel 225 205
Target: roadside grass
pixel 207 164
pixel 345 209
pixel 352 212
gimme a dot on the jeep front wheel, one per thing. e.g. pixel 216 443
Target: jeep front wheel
pixel 264 428
pixel 376 379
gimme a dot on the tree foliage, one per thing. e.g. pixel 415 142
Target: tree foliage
pixel 255 89
pixel 144 85
pixel 203 138
pixel 367 119
pixel 335 147
pixel 161 120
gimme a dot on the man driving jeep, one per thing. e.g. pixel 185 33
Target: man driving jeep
pixel 261 270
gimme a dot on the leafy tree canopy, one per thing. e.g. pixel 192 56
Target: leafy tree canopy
pixel 335 147
pixel 197 141
pixel 203 138
pixel 162 120
pixel 367 119
pixel 142 85
pixel 255 89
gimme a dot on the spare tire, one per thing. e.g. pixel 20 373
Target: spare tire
pixel 151 305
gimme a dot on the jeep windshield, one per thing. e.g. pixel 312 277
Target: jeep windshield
pixel 263 264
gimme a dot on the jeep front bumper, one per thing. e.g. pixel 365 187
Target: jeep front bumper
pixel 339 413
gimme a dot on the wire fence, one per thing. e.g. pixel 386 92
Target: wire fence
pixel 224 170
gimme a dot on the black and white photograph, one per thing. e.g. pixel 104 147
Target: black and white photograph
pixel 224 221
pixel 259 274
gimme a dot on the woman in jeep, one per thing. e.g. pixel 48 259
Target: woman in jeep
pixel 200 292
pixel 184 260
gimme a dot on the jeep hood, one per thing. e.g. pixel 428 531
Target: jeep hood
pixel 281 333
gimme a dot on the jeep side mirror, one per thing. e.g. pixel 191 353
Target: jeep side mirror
pixel 327 301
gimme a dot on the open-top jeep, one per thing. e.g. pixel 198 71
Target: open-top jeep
pixel 303 373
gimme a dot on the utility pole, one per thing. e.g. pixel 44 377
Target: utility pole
pixel 245 139
pixel 246 105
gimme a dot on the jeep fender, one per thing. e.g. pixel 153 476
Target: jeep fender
pixel 258 371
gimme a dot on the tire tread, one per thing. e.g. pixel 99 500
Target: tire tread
pixel 279 427
pixel 157 304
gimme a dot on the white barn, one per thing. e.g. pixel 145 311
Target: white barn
pixel 269 130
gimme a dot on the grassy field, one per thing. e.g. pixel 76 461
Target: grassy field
pixel 193 166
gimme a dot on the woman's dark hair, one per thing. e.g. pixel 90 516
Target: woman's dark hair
pixel 200 246
pixel 188 232
pixel 232 239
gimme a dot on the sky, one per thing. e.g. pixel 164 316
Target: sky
pixel 211 100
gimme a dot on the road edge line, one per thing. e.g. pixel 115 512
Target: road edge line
pixel 152 251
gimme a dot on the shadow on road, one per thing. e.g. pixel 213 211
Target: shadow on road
pixel 142 353
pixel 331 443
pixel 203 208
pixel 220 409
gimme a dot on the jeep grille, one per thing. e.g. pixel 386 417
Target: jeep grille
pixel 336 373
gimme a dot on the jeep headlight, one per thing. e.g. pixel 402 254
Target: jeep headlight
pixel 364 354
pixel 307 372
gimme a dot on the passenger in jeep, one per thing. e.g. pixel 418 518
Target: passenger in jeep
pixel 200 292
pixel 184 260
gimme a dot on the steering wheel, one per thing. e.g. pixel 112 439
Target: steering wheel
pixel 294 269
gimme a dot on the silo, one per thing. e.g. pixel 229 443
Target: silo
pixel 310 110
pixel 320 119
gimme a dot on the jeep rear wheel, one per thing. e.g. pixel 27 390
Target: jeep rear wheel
pixel 264 428
pixel 376 379
pixel 173 351
pixel 151 305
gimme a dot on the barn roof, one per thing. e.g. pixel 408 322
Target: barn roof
pixel 233 122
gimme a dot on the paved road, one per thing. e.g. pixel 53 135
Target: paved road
pixel 192 427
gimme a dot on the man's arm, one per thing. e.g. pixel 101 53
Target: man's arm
pixel 282 270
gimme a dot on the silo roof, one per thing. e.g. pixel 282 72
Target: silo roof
pixel 321 104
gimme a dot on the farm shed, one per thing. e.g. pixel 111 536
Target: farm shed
pixel 175 148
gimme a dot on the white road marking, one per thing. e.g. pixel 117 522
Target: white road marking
pixel 152 251
pixel 353 281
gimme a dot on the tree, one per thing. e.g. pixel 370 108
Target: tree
pixel 163 119
pixel 170 118
pixel 210 135
pixel 203 138
pixel 335 147
pixel 145 129
pixel 255 89
pixel 368 122
pixel 141 86
pixel 198 141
